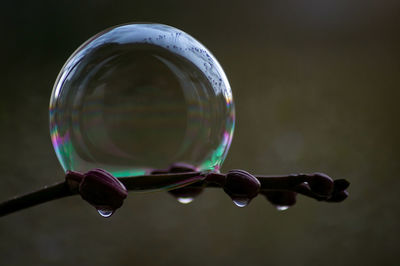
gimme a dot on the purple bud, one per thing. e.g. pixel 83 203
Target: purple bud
pixel 321 184
pixel 339 191
pixel 241 185
pixel 341 184
pixel 102 190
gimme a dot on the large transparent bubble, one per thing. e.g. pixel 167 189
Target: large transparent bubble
pixel 138 97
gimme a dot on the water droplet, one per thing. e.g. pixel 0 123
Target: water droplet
pixel 282 207
pixel 241 202
pixel 185 200
pixel 129 101
pixel 105 213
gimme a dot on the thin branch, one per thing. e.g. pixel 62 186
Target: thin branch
pixel 63 189
pixel 298 183
pixel 47 193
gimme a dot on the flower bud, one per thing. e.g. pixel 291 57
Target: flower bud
pixel 340 184
pixel 102 190
pixel 241 186
pixel 321 184
pixel 339 191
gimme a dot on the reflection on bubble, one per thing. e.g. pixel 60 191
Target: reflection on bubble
pixel 141 96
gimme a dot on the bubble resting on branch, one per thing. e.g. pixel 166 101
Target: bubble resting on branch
pixel 104 191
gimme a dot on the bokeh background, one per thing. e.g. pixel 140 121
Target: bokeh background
pixel 316 86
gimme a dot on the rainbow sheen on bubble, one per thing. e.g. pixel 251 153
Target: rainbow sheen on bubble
pixel 138 97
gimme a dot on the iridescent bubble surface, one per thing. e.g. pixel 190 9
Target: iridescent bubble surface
pixel 138 97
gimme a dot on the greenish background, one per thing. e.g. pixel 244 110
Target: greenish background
pixel 316 87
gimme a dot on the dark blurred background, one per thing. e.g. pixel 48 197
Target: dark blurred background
pixel 316 86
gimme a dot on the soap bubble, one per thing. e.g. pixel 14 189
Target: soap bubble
pixel 138 97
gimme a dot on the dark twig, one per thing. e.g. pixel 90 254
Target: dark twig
pixel 66 188
pixel 316 185
pixel 48 193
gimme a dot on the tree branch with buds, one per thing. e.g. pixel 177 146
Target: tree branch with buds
pixel 107 193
